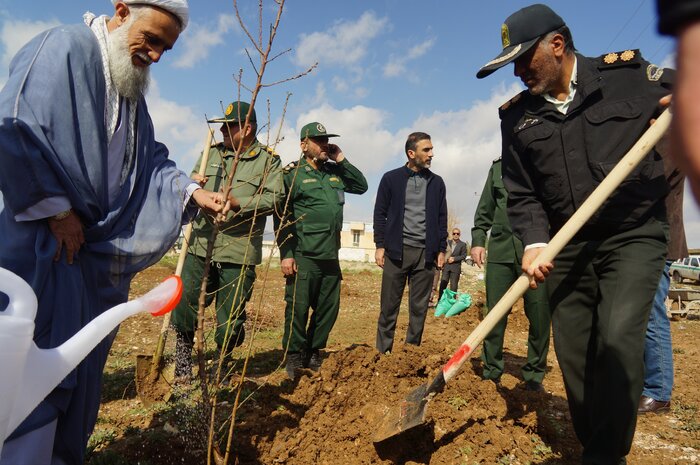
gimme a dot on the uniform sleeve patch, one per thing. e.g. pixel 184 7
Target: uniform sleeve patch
pixel 654 73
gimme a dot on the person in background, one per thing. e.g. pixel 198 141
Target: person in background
pixel 503 268
pixel 658 351
pixel 410 232
pixel 309 239
pixel 455 254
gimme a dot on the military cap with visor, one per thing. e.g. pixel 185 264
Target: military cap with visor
pixel 315 129
pixel 236 113
pixel 520 32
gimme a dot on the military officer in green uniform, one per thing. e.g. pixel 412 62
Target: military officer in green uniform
pixel 505 253
pixel 309 239
pixel 255 190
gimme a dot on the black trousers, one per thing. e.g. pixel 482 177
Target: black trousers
pixel 450 274
pixel 601 292
pixel 420 280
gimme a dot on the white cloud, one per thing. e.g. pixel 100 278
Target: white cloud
pixel 345 43
pixel 397 64
pixel 198 40
pixel 178 127
pixel 466 142
pixel 13 35
pixel 669 61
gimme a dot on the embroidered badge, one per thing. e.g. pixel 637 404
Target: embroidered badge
pixel 320 128
pixel 333 178
pixel 229 109
pixel 611 58
pixel 627 55
pixel 505 35
pixel 308 180
pixel 654 73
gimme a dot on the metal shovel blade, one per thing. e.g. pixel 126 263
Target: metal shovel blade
pixel 409 414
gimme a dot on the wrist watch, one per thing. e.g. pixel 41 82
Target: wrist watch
pixel 63 215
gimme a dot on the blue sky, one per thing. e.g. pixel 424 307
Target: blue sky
pixel 385 68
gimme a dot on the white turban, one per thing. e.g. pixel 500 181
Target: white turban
pixel 178 8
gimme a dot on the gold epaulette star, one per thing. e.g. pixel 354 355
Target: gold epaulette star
pixel 611 58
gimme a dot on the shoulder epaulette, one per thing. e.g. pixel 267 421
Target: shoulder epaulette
pixel 270 150
pixel 497 160
pixel 290 166
pixel 614 59
pixel 512 101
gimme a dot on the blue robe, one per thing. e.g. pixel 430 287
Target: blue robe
pixel 53 142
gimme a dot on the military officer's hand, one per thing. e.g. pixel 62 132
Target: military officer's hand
pixel 68 232
pixel 379 257
pixel 479 256
pixel 451 260
pixel 537 273
pixel 440 262
pixel 211 202
pixel 335 154
pixel 289 267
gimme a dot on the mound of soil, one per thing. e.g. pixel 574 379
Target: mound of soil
pixel 331 417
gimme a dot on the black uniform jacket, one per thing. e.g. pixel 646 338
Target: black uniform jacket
pixel 552 162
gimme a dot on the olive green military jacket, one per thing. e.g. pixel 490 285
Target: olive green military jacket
pixel 257 184
pixel 504 247
pixel 313 215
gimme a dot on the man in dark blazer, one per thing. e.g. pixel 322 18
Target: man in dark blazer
pixel 454 256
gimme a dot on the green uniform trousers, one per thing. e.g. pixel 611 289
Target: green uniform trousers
pixel 499 278
pixel 231 284
pixel 601 292
pixel 316 285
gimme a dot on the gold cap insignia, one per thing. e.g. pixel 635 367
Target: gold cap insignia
pixel 505 35
pixel 320 128
pixel 229 109
pixel 627 55
pixel 611 58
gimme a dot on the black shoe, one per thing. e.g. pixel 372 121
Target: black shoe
pixel 295 361
pixel 649 405
pixel 533 386
pixel 315 360
pixel 183 356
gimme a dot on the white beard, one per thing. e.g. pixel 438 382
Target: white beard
pixel 130 81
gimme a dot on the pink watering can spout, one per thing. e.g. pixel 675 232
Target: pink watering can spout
pixel 29 374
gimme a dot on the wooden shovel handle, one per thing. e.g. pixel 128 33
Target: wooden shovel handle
pixel 624 167
pixel 160 347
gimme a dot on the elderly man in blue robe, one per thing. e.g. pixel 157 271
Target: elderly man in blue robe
pixel 89 198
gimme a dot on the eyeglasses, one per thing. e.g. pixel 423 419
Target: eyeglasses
pixel 456 234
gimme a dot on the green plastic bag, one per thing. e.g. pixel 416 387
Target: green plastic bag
pixel 463 302
pixel 447 300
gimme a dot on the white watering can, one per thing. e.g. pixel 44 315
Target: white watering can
pixel 29 374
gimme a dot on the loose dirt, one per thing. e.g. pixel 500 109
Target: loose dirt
pixel 330 417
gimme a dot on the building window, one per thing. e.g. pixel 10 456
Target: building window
pixel 356 238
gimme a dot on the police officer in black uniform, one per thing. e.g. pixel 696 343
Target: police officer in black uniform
pixel 561 137
pixel 309 239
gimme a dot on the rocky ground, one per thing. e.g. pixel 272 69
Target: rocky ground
pixel 332 416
